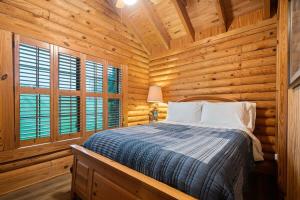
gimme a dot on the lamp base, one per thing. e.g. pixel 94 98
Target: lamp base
pixel 153 115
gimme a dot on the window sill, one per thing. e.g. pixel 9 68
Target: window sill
pixel 39 149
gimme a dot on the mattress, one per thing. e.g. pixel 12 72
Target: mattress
pixel 206 163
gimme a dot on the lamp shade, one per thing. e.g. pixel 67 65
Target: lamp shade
pixel 155 94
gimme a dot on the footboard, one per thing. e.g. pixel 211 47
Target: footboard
pixel 97 177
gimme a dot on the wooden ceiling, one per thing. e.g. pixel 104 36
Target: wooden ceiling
pixel 160 24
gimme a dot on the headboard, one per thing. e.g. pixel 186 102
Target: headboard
pixel 206 98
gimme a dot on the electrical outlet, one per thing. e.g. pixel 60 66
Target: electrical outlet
pixel 276 156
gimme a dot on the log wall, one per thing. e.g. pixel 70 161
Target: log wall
pixel 293 145
pixel 90 27
pixel 240 65
pixel 290 142
pixel 282 94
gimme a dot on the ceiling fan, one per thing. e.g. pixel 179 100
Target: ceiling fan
pixel 123 3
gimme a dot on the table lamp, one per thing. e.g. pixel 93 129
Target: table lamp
pixel 154 96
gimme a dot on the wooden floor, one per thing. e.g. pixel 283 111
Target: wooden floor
pixel 55 189
pixel 59 189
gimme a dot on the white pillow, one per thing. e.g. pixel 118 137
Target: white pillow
pixel 229 114
pixel 187 112
pixel 251 111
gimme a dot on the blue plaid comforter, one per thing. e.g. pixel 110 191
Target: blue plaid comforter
pixel 207 163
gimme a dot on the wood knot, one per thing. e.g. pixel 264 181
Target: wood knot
pixel 67 44
pixel 4 77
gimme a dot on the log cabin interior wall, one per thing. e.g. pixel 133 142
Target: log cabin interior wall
pixel 90 27
pixel 293 144
pixel 189 47
pixel 293 104
pixel 240 66
pixel 231 53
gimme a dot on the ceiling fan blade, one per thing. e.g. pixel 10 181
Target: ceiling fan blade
pixel 120 4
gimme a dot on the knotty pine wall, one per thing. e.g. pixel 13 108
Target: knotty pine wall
pixel 293 145
pixel 239 64
pixel 89 27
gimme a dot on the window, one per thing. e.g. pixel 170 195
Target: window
pixel 69 114
pixel 114 77
pixel 63 94
pixel 69 93
pixel 34 66
pixel 94 113
pixel 33 92
pixel 69 72
pixel 114 113
pixel 34 116
pixel 94 96
pixel 94 76
pixel 114 80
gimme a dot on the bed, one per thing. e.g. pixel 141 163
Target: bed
pixel 163 161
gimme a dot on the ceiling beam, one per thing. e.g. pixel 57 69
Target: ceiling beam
pixel 159 27
pixel 184 2
pixel 221 13
pixel 266 9
pixel 184 18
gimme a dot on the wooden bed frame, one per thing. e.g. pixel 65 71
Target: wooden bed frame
pixel 97 177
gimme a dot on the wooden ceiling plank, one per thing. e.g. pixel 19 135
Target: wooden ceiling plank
pixel 221 13
pixel 184 17
pixel 266 9
pixel 124 17
pixel 155 1
pixel 159 28
pixel 138 35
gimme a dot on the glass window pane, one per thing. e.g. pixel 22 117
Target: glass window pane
pixel 69 72
pixel 34 116
pixel 114 113
pixel 69 114
pixel 114 80
pixel 94 76
pixel 94 113
pixel 34 66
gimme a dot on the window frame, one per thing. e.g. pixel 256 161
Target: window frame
pixel 55 92
pixel 30 90
pixel 120 96
pixel 63 92
pixel 96 94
